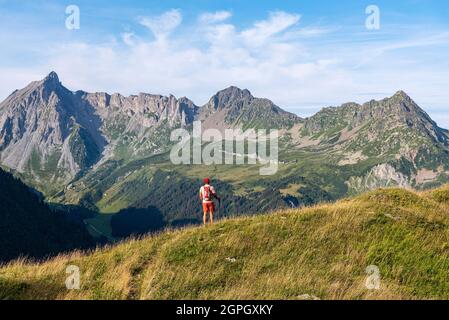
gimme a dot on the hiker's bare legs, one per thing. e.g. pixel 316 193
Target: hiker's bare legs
pixel 211 217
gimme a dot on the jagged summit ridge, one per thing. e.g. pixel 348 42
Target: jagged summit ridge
pixel 228 97
pixel 52 134
pixel 52 76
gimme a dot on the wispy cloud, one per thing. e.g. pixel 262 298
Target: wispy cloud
pixel 309 32
pixel 177 65
pixel 277 22
pixel 162 25
pixel 299 66
pixel 214 17
pixel 421 41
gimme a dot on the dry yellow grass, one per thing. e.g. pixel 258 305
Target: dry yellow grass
pixel 320 252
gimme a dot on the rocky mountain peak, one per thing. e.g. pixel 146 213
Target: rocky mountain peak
pixel 403 98
pixel 52 76
pixel 402 107
pixel 397 118
pixel 233 91
pixel 398 105
pixel 402 94
pixel 229 98
pixel 51 81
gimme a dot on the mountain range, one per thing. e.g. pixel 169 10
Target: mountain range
pixel 51 134
pixel 110 153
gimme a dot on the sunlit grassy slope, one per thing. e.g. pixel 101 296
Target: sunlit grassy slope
pixel 321 252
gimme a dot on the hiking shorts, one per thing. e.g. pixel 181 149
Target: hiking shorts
pixel 208 207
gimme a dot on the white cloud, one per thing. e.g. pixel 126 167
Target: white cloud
pixel 296 66
pixel 214 17
pixel 308 32
pixel 162 25
pixel 277 22
pixel 221 34
pixel 439 38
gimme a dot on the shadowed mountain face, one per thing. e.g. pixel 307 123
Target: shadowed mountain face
pixel 29 228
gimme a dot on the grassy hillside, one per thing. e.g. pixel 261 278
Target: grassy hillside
pixel 321 251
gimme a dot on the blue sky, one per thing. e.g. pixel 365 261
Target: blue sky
pixel 303 55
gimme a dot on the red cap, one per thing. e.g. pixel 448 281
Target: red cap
pixel 206 180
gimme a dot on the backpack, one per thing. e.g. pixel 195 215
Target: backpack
pixel 206 193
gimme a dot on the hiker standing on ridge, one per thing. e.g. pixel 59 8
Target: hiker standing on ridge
pixel 207 193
